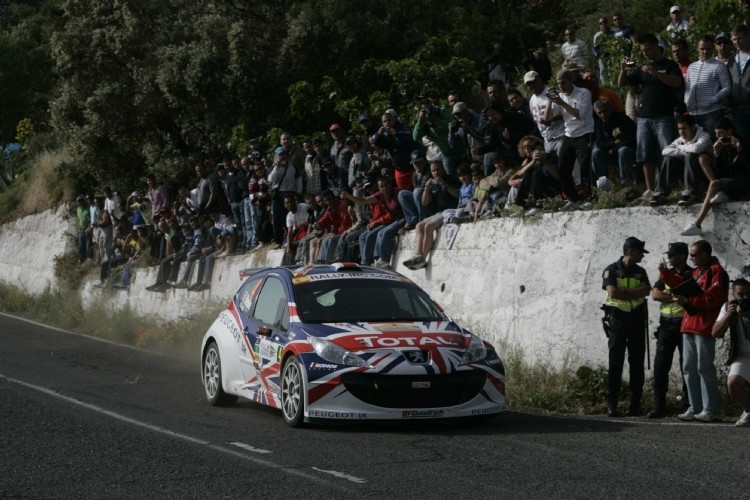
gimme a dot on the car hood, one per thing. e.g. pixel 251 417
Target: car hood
pixel 389 335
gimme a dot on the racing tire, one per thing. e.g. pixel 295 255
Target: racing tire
pixel 293 392
pixel 212 378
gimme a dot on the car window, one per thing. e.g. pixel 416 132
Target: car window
pixel 247 295
pixel 351 300
pixel 271 306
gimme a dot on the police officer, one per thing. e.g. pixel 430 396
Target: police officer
pixel 668 335
pixel 627 287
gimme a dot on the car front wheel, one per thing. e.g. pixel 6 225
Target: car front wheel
pixel 212 378
pixel 292 393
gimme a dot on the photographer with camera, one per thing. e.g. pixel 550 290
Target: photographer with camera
pixel 433 123
pixel 735 317
pixel 574 103
pixel 730 174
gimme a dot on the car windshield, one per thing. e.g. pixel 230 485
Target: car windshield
pixel 363 300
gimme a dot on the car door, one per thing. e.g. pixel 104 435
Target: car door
pixel 246 299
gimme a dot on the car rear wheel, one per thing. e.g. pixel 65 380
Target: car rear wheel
pixel 212 378
pixel 292 393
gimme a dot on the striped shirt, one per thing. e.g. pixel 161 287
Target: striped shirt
pixel 707 84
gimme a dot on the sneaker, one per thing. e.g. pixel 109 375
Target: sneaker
pixel 686 199
pixel 719 198
pixel 707 416
pixel 647 194
pixel 691 229
pixel 532 212
pixel 381 264
pixel 409 263
pixel 567 206
pixel 657 200
pixel 259 246
pixel 744 420
pixel 454 220
pixel 587 205
pixel 419 263
pixel 687 416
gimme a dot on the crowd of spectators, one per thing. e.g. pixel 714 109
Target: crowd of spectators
pixel 556 133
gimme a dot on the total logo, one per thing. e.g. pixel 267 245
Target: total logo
pixel 421 413
pixel 374 341
pixel 323 366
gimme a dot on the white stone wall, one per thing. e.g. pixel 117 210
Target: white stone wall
pixel 533 283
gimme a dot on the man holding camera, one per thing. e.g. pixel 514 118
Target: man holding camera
pixel 574 103
pixel 627 286
pixel 730 175
pixel 735 317
pixel 698 344
pixel 433 122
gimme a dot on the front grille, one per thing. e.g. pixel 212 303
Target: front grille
pixel 398 391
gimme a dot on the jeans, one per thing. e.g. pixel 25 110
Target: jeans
pixel 83 245
pixel 367 242
pixel 668 338
pixel 708 122
pixel 238 214
pixel 251 219
pixel 624 156
pixel 653 135
pixel 411 204
pixel 627 331
pixel 386 240
pixel 700 372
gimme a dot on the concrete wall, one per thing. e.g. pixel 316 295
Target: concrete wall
pixel 533 283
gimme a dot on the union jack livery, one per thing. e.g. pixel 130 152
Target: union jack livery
pixel 347 342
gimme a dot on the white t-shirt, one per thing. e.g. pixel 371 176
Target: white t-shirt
pixel 743 332
pixel 298 218
pixel 579 99
pixel 538 105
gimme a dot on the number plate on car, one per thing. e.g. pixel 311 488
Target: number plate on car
pixel 420 385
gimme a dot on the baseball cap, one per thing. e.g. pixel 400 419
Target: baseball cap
pixel 677 248
pixel 530 76
pixel 279 150
pixel 334 127
pixel 416 156
pixel 460 107
pixel 351 139
pixel 634 243
pixel 392 112
pixel 674 8
pixel 364 118
pixel 722 35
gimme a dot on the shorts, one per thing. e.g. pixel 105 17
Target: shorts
pixel 734 186
pixel 741 367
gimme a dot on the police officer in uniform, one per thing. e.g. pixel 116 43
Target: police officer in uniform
pixel 627 286
pixel 668 335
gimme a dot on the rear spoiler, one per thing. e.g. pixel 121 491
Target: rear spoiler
pixel 250 271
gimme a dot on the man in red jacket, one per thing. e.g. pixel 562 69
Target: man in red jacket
pixel 698 345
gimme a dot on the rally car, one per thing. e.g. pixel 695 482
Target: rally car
pixel 347 342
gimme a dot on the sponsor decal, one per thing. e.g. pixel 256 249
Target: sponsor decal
pixel 421 413
pixel 266 348
pixel 495 361
pixel 484 411
pixel 398 327
pixel 337 414
pixel 226 319
pixel 375 341
pixel 323 366
pixel 298 280
pixel 246 301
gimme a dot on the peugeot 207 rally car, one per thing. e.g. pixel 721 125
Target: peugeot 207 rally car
pixel 347 342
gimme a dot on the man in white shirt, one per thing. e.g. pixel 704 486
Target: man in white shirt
pixel 552 131
pixel 735 317
pixel 690 152
pixel 678 23
pixel 297 219
pixel 707 87
pixel 574 103
pixel 574 49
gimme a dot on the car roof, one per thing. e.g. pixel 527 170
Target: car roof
pixel 308 270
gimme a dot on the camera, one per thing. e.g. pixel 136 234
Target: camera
pixel 726 140
pixel 553 94
pixel 454 125
pixel 630 64
pixel 744 304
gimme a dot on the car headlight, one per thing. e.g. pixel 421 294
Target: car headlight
pixel 335 354
pixel 475 352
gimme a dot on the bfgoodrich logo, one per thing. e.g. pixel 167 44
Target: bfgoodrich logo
pixel 421 413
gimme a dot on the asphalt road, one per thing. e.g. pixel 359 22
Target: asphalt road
pixel 83 418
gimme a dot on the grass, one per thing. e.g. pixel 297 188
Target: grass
pixel 63 309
